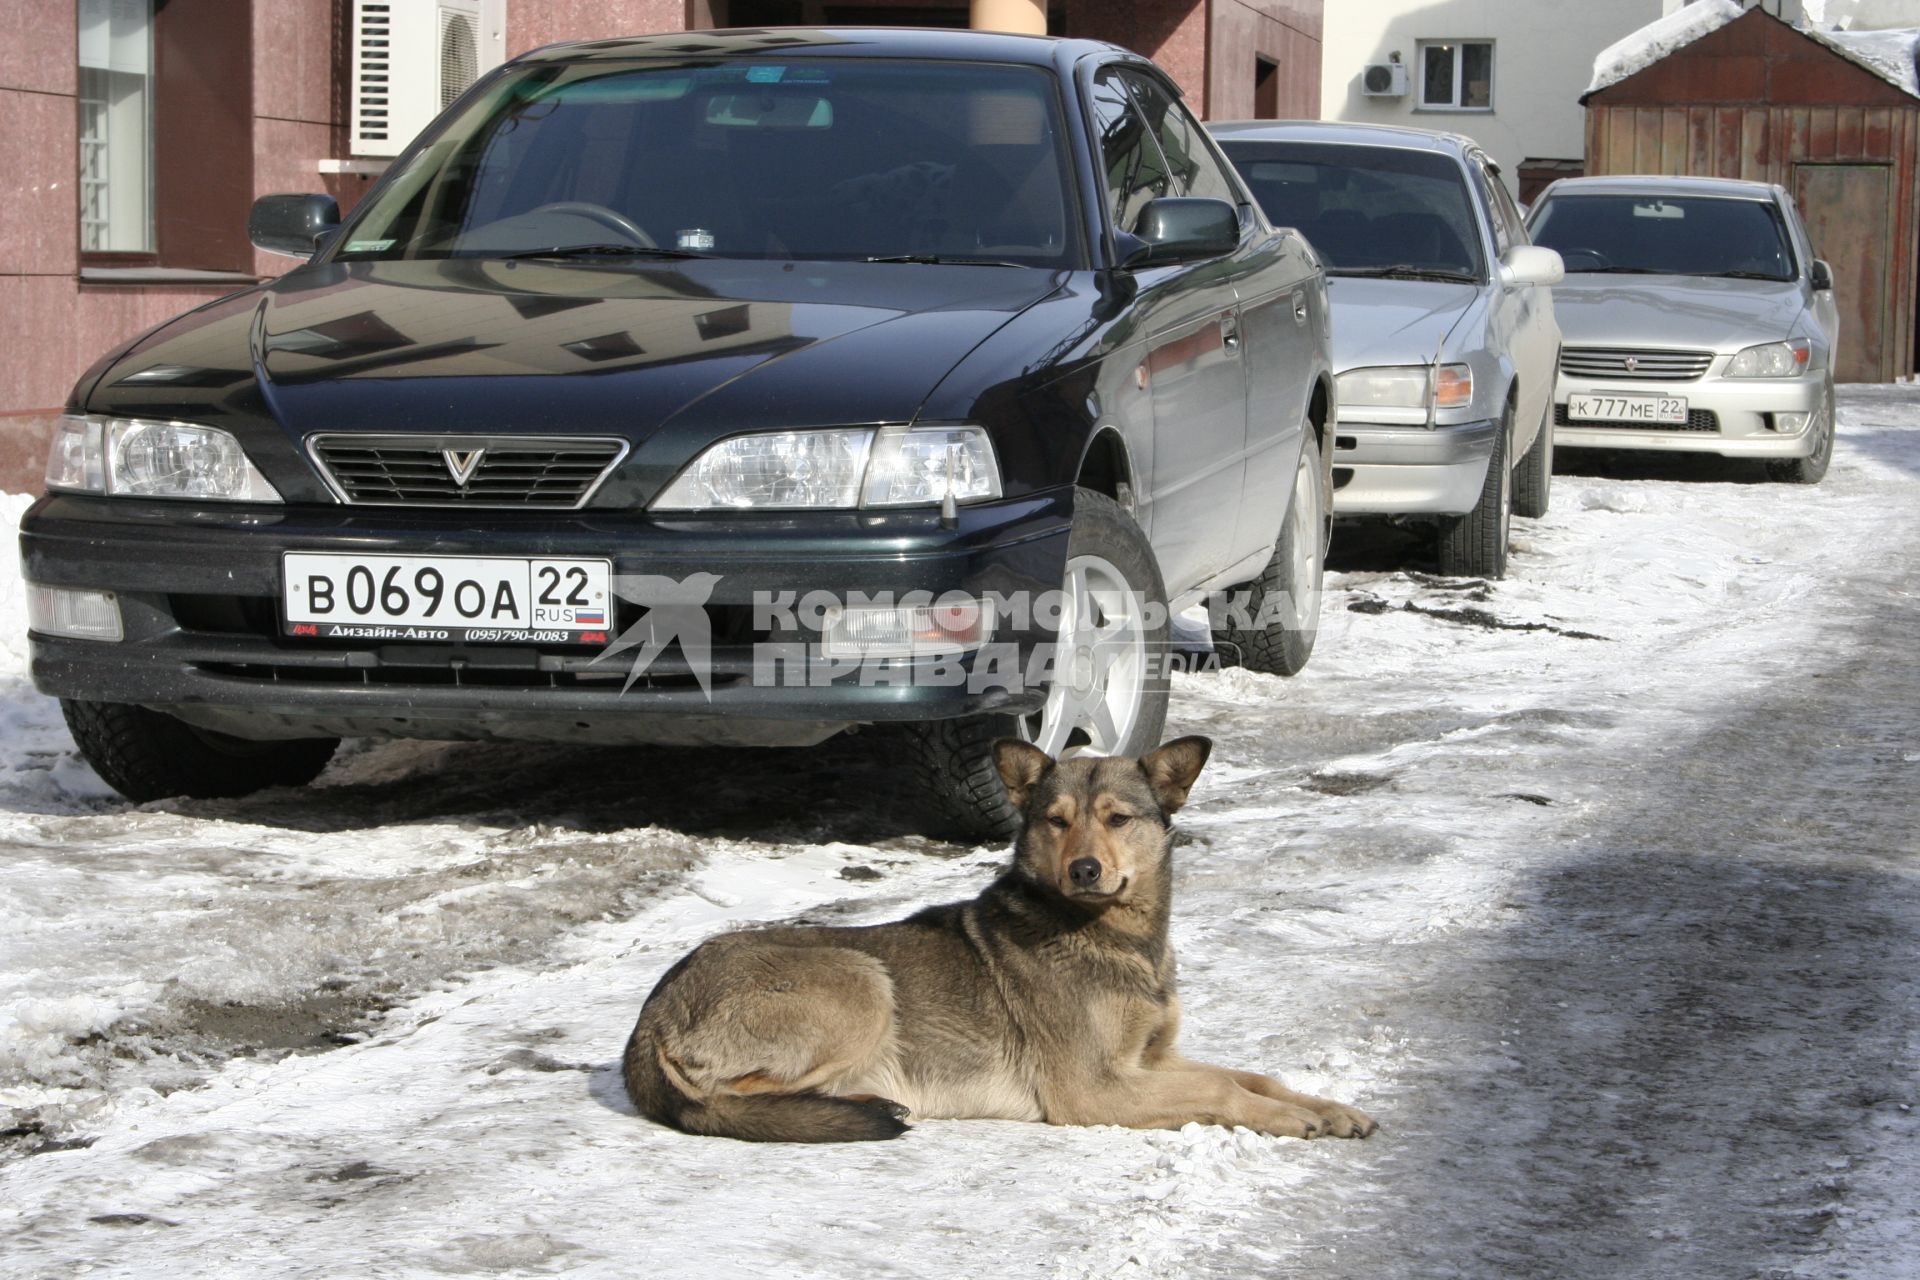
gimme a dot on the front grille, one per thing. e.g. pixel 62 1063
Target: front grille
pixel 1646 365
pixel 540 472
pixel 1697 420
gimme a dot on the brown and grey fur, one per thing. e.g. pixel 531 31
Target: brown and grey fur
pixel 1041 999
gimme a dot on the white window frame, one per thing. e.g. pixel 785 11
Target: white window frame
pixel 1420 102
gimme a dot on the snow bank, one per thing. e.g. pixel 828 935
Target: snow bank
pixel 1641 49
pixel 13 593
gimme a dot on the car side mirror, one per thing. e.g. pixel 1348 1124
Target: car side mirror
pixel 292 225
pixel 1181 229
pixel 1527 264
pixel 1821 276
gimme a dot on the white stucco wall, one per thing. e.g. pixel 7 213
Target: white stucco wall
pixel 1543 55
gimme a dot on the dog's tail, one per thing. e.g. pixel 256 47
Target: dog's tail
pixel 755 1117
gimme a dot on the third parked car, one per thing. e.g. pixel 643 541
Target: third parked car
pixel 1696 317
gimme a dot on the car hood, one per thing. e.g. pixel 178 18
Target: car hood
pixel 1700 312
pixel 687 350
pixel 1382 322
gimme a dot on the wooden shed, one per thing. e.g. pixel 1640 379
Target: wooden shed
pixel 1835 123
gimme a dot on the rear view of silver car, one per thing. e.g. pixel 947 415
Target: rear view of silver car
pixel 1444 340
pixel 1696 318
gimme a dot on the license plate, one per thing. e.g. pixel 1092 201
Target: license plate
pixel 1664 409
pixel 447 599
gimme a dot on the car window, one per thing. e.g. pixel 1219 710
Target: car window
pixel 1485 182
pixel 1194 169
pixel 1136 172
pixel 1666 235
pixel 1366 209
pixel 812 158
pixel 1508 212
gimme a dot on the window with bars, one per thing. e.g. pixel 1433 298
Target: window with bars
pixel 116 126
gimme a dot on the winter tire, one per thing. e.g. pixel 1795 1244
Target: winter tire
pixel 1109 695
pixel 1533 483
pixel 1288 590
pixel 146 755
pixel 1475 545
pixel 1810 469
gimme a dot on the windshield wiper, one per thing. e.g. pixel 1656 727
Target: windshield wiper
pixel 602 251
pixel 1617 271
pixel 1745 275
pixel 1407 271
pixel 940 260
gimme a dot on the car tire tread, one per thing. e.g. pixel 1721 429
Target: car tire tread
pixel 149 755
pixel 1277 649
pixel 1475 545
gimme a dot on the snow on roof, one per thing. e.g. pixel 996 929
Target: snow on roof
pixel 1640 49
pixel 1889 54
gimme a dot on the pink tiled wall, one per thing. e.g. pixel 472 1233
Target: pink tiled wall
pixel 531 25
pixel 51 325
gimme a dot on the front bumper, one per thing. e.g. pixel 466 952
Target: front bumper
pixel 1728 416
pixel 199 590
pixel 1410 470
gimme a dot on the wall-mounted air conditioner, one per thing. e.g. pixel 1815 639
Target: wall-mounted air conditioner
pixel 413 57
pixel 1384 80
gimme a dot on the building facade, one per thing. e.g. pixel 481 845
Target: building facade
pixel 1506 73
pixel 138 132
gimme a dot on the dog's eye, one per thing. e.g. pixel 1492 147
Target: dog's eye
pixel 1058 821
pixel 1119 819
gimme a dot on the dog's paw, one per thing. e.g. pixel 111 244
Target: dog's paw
pixel 1344 1122
pixel 1284 1121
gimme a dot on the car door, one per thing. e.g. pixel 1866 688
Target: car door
pixel 1190 362
pixel 1523 313
pixel 1825 308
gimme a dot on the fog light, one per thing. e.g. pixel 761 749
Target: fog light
pixel 78 615
pixel 1790 424
pixel 953 624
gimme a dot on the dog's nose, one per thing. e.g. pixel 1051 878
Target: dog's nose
pixel 1084 872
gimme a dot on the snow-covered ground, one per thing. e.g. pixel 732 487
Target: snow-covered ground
pixel 1596 887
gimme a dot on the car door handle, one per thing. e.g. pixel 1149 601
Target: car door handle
pixel 1300 307
pixel 1230 331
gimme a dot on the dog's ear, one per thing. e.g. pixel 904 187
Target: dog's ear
pixel 1021 764
pixel 1171 769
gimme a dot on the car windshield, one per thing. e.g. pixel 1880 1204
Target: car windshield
pixel 1367 210
pixel 812 158
pixel 1666 235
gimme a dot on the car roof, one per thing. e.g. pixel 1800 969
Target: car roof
pixel 1337 132
pixel 943 45
pixel 1654 185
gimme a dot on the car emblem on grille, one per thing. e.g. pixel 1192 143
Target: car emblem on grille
pixel 462 463
pixel 1633 362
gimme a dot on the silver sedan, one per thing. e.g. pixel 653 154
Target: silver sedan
pixel 1696 318
pixel 1443 327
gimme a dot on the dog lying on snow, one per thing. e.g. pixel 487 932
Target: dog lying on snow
pixel 1048 997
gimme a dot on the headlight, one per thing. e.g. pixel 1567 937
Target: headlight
pixel 841 468
pixel 918 468
pixel 153 460
pixel 1407 387
pixel 1772 360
